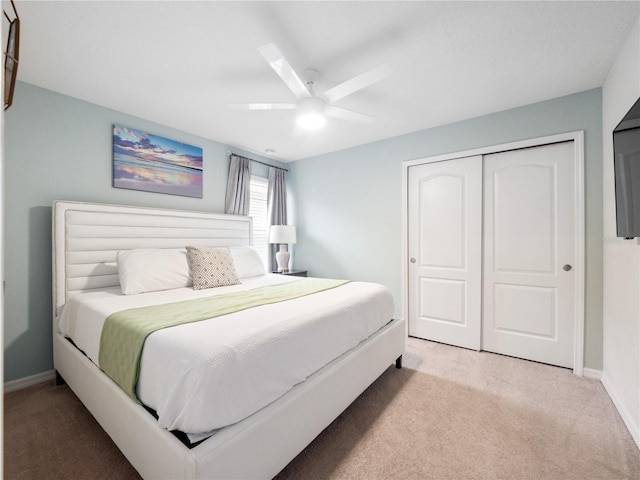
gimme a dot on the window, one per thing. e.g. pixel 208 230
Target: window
pixel 258 210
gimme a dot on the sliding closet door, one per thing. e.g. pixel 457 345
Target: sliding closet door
pixel 529 253
pixel 444 238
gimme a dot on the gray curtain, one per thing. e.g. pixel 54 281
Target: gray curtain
pixel 277 202
pixel 238 185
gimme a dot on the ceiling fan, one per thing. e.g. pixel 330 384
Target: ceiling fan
pixel 312 108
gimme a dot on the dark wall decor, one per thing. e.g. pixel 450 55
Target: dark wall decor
pixel 11 54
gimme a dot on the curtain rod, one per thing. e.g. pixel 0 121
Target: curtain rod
pixel 257 161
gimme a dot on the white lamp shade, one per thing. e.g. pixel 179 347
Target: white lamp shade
pixel 282 234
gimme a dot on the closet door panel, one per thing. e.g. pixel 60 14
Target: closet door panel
pixel 523 218
pixel 529 236
pixel 445 228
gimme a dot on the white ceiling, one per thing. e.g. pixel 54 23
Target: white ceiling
pixel 181 63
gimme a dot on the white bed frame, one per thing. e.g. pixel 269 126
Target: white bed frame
pixel 86 239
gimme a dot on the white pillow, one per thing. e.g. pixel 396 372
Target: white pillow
pixel 247 262
pixel 150 270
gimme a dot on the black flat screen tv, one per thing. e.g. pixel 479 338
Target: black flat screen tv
pixel 626 164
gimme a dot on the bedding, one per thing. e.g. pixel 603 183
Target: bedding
pixel 151 269
pixel 211 267
pixel 124 332
pixel 247 262
pixel 265 350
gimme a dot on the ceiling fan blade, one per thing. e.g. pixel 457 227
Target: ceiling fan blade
pixel 358 83
pixel 262 106
pixel 281 66
pixel 345 114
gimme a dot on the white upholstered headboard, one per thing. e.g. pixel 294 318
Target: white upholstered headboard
pixel 88 236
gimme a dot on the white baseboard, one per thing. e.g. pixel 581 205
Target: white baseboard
pixel 592 373
pixel 622 410
pixel 19 384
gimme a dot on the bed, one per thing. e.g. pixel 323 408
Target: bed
pixel 269 424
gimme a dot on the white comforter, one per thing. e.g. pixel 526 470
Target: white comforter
pixel 205 375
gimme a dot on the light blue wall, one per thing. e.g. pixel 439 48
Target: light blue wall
pixel 348 203
pixel 59 148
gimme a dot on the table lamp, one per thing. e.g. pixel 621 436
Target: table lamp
pixel 282 235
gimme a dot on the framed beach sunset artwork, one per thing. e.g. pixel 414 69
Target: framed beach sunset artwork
pixel 142 161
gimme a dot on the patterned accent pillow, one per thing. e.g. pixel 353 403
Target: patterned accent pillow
pixel 211 267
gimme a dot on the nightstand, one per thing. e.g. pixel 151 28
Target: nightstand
pixel 294 273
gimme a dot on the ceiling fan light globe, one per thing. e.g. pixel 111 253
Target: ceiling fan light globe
pixel 311 115
pixel 311 120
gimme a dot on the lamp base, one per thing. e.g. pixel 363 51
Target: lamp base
pixel 282 258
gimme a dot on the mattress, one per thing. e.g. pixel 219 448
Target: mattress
pixel 203 376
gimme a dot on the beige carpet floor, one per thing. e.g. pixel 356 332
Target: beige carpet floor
pixel 449 413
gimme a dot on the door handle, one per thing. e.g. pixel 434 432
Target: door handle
pixel 412 260
pixel 567 267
